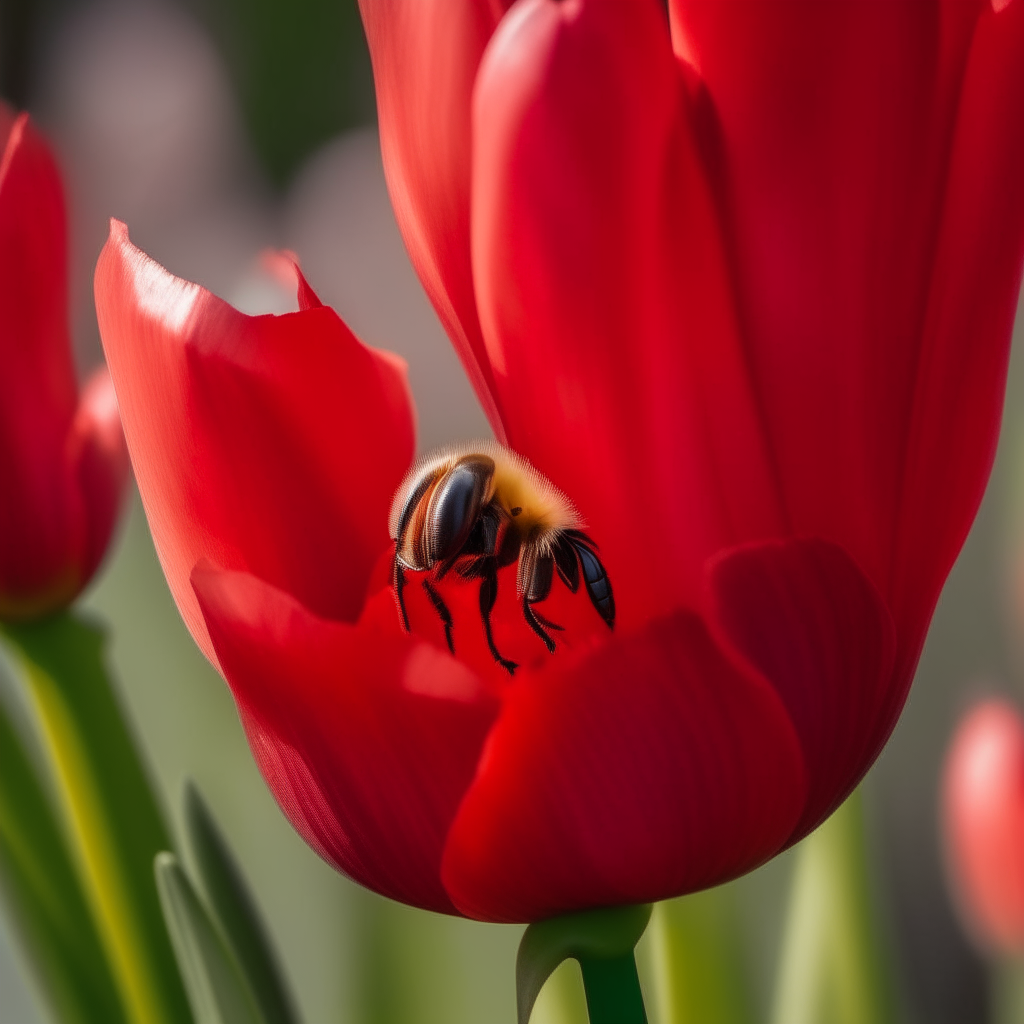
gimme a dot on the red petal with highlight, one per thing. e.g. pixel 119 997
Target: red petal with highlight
pixel 652 767
pixel 271 444
pixel 368 746
pixel 425 55
pixel 605 296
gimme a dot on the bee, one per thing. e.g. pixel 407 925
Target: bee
pixel 477 508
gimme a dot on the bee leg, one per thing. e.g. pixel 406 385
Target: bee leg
pixel 399 578
pixel 488 596
pixel 534 581
pixel 533 621
pixel 442 612
pixel 546 623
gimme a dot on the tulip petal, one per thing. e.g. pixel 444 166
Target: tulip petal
pixel 873 187
pixel 100 460
pixel 651 767
pixel 39 535
pixel 810 622
pixel 605 294
pixel 270 444
pixel 425 55
pixel 961 368
pixel 368 746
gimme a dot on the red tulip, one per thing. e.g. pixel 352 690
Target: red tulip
pixel 62 457
pixel 983 819
pixel 742 286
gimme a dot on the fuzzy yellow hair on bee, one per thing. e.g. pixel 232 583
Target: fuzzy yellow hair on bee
pixel 477 508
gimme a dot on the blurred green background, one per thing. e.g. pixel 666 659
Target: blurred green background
pixel 219 127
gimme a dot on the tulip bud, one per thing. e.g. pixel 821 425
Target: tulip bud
pixel 983 820
pixel 63 464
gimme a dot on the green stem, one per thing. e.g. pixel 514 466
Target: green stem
pixel 112 817
pixel 603 942
pixel 613 990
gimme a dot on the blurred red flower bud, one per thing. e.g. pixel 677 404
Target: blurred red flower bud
pixel 983 824
pixel 62 457
pixel 741 283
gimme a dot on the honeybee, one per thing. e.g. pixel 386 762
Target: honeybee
pixel 478 508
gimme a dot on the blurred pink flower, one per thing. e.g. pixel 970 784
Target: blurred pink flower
pixel 983 824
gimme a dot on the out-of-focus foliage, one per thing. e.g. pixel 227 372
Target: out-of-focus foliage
pixel 236 911
pixel 113 821
pixel 699 960
pixel 42 893
pixel 835 963
pixel 223 950
pixel 217 988
pixel 301 69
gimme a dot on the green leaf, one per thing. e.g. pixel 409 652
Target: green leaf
pixel 113 822
pixel 833 964
pixel 45 899
pixel 234 906
pixel 216 986
pixel 698 960
pixel 607 935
